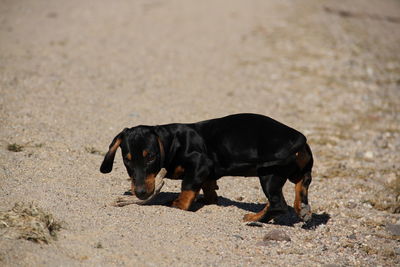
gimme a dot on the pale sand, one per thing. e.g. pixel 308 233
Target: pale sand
pixel 74 73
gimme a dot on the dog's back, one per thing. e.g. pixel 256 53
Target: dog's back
pixel 250 138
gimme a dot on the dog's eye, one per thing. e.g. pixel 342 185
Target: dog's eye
pixel 128 157
pixel 151 158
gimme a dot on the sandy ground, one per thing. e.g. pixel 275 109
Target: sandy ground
pixel 74 73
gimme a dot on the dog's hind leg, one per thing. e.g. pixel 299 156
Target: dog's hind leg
pixel 272 188
pixel 301 205
pixel 304 161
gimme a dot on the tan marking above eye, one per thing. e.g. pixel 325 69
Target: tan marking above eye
pixel 129 156
pixel 145 153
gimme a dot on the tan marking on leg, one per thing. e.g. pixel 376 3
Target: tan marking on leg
pixel 302 209
pixel 254 217
pixel 298 188
pixel 302 158
pixel 209 187
pixel 185 199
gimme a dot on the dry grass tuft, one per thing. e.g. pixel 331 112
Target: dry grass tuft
pixel 15 147
pixel 95 151
pixel 29 222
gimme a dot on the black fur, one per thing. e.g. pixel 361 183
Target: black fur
pixel 236 145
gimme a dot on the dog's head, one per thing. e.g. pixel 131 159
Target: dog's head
pixel 142 153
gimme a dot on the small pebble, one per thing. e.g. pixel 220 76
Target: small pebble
pixel 351 205
pixel 238 237
pixel 352 236
pixel 394 229
pixel 240 198
pixel 369 155
pixel 276 235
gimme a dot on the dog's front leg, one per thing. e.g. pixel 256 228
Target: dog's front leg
pixel 195 174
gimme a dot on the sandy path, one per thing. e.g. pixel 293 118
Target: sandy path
pixel 74 73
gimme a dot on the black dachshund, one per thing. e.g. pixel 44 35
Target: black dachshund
pixel 201 153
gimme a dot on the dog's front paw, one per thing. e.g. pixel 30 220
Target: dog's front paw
pixel 253 217
pixel 249 217
pixel 177 204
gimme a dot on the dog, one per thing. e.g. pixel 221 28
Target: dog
pixel 201 153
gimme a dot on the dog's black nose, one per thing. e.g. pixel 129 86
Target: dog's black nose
pixel 141 193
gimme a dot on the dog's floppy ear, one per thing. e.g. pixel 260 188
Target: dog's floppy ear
pixel 108 161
